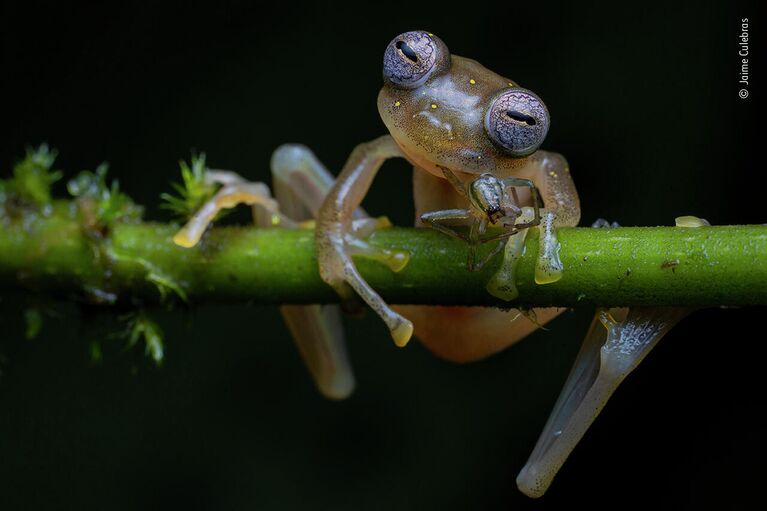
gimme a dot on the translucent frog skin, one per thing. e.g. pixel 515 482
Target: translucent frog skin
pixel 441 112
pixel 472 136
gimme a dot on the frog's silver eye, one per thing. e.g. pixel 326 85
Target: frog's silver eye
pixel 518 121
pixel 412 57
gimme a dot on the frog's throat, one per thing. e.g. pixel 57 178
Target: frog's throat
pixel 427 164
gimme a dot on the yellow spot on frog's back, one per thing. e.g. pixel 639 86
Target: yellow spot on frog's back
pixel 434 105
pixel 552 173
pixel 511 84
pixel 472 81
pixel 430 34
pixel 397 103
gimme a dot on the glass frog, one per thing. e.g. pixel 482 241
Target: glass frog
pixel 473 137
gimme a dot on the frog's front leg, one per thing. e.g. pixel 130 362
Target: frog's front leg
pixel 561 209
pixel 335 239
pixel 551 175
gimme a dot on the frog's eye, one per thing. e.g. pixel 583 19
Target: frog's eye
pixel 412 57
pixel 518 121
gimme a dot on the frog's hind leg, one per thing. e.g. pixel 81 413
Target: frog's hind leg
pixel 319 337
pixel 235 191
pixel 300 184
pixel 616 343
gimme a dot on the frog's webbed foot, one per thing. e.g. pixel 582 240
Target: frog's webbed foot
pixel 616 343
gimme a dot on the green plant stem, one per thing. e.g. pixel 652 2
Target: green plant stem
pixel 724 265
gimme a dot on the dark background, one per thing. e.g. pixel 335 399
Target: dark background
pixel 644 103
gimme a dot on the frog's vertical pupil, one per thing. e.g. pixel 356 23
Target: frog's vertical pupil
pixel 407 51
pixel 519 116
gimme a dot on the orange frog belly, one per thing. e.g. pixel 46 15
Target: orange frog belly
pixel 465 334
